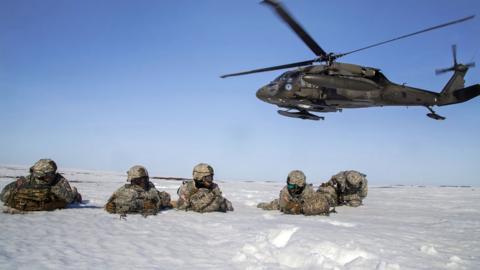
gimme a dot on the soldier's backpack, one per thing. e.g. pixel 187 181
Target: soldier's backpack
pixel 34 198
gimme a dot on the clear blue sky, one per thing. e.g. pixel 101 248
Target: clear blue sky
pixel 106 85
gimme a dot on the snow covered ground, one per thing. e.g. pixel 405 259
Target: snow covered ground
pixel 397 228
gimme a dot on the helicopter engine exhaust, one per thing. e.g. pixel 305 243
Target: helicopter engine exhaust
pixel 305 115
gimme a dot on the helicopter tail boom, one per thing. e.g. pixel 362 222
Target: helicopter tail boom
pixel 461 95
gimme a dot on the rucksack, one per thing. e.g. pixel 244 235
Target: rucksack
pixel 34 198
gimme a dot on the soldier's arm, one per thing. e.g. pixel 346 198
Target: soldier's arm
pixel 220 203
pixel 63 190
pixel 288 204
pixel 7 191
pixel 283 198
pixel 228 205
pixel 110 206
pixel 205 200
pixel 150 207
pixel 216 191
pixel 165 201
pixel 183 202
pixel 293 207
pixel 273 205
pixel 364 189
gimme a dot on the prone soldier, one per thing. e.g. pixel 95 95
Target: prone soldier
pixel 201 194
pixel 350 187
pixel 140 196
pixel 42 190
pixel 298 197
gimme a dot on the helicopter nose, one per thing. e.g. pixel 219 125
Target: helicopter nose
pixel 262 93
pixel 267 92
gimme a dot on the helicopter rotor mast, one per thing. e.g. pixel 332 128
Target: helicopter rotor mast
pixel 322 56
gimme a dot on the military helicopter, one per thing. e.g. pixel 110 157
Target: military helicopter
pixel 333 86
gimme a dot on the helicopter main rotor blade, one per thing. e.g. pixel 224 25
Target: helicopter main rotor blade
pixel 297 64
pixel 408 35
pixel 297 28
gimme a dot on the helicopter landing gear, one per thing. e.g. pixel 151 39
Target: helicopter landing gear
pixel 433 114
pixel 305 115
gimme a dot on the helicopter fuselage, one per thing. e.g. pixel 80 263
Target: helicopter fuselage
pixel 334 86
pixel 323 88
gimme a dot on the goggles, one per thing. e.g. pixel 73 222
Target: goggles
pixel 292 186
pixel 294 189
pixel 43 175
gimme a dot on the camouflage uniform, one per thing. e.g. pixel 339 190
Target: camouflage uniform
pixel 329 192
pixel 43 189
pixel 140 196
pixel 201 194
pixel 298 198
pixel 351 187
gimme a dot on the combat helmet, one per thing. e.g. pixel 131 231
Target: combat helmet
pixel 135 172
pixel 296 177
pixel 202 170
pixel 43 167
pixel 354 178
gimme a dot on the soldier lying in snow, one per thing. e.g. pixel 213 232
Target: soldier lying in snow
pixel 140 196
pixel 350 187
pixel 42 190
pixel 201 194
pixel 298 198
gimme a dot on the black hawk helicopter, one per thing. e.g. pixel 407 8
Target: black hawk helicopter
pixel 334 86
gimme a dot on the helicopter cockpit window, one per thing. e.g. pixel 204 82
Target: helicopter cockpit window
pixel 287 76
pixel 368 72
pixel 379 77
pixel 278 78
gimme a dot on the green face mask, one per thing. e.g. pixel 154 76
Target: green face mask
pixel 294 188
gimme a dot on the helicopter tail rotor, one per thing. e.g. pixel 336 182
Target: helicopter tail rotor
pixel 456 66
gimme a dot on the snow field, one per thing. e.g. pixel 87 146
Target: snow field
pixel 397 228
